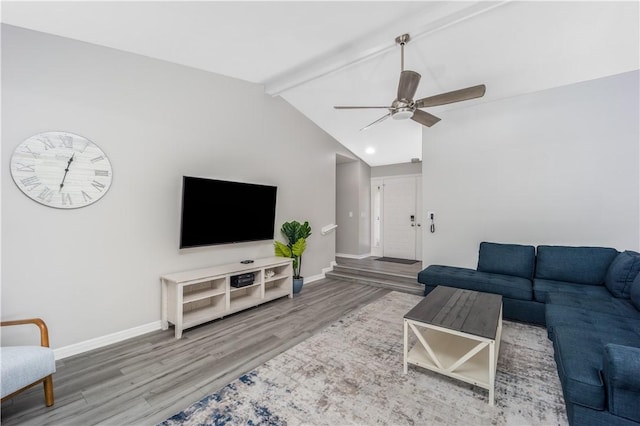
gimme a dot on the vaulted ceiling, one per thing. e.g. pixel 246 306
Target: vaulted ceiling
pixel 320 54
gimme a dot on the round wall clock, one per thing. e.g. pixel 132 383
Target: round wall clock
pixel 61 170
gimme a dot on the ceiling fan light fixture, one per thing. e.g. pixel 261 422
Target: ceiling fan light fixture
pixel 403 114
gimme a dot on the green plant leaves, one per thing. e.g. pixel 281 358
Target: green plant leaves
pixel 282 250
pixel 296 235
pixel 299 247
pixel 294 230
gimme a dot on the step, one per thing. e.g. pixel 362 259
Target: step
pixel 404 287
pixel 384 275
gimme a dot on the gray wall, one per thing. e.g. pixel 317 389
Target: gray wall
pixel 554 167
pixel 95 271
pixel 353 208
pixel 364 196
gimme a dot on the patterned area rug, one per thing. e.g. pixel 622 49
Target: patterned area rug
pixel 351 373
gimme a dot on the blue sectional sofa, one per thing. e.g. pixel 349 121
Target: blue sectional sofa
pixel 589 300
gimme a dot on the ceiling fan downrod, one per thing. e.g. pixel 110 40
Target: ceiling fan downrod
pixel 402 40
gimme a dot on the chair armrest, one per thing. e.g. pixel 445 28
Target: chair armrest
pixel 44 332
pixel 621 374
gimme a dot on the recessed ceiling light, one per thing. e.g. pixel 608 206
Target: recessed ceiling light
pixel 370 150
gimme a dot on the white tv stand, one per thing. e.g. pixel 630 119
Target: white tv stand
pixel 194 297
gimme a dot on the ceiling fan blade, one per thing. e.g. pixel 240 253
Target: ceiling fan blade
pixel 424 118
pixel 408 85
pixel 384 117
pixel 451 97
pixel 361 107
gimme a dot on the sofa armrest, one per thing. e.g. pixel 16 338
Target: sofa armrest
pixel 621 374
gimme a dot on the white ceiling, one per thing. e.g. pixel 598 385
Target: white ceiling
pixel 319 54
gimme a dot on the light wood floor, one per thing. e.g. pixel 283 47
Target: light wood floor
pixel 145 380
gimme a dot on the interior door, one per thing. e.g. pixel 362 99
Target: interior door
pixel 400 218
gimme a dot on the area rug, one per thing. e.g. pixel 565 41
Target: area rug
pixel 351 373
pixel 397 260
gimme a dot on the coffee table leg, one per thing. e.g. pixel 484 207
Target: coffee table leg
pixel 492 372
pixel 406 345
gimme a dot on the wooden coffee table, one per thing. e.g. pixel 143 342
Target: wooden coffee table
pixel 458 334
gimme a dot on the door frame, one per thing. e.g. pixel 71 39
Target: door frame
pixel 378 249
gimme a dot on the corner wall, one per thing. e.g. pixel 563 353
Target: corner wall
pixel 353 209
pixel 95 271
pixel 559 166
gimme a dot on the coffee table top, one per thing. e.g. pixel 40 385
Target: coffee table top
pixel 467 311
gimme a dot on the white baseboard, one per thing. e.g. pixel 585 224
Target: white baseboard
pixel 353 256
pixel 309 280
pixel 109 339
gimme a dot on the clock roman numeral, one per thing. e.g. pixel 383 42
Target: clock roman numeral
pixel 21 167
pixel 96 159
pixel 80 145
pixel 46 195
pixel 86 196
pixel 66 141
pixel 102 172
pixel 97 185
pixel 47 143
pixel 29 151
pixel 66 199
pixel 31 182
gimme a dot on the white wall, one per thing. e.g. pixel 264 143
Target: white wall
pixel 555 167
pixel 95 271
pixel 396 170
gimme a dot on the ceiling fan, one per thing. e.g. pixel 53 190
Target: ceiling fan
pixel 404 106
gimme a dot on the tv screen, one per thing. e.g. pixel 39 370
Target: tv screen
pixel 222 212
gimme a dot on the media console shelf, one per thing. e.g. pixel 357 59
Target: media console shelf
pixel 194 297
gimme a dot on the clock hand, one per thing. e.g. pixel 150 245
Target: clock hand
pixel 66 170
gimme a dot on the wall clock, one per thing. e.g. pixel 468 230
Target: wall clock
pixel 61 170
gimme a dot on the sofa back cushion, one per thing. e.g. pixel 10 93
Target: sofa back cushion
pixel 584 265
pixel 634 294
pixel 621 272
pixel 507 259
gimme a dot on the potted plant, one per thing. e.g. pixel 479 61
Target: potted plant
pixel 296 235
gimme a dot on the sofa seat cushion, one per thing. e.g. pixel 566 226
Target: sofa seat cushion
pixel 24 365
pixel 470 279
pixel 584 265
pixel 507 259
pixel 541 288
pixel 634 294
pixel 609 305
pixel 579 355
pixel 624 268
pixel 586 319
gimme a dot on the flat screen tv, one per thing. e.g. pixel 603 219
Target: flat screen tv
pixel 223 212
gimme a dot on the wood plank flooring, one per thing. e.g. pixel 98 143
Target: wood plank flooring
pixel 144 380
pixel 372 264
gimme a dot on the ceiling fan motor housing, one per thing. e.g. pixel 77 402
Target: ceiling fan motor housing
pixel 402 114
pixel 401 110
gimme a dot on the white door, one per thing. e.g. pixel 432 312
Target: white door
pixel 400 218
pixel 419 217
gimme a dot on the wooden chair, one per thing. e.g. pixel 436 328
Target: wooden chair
pixel 25 366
